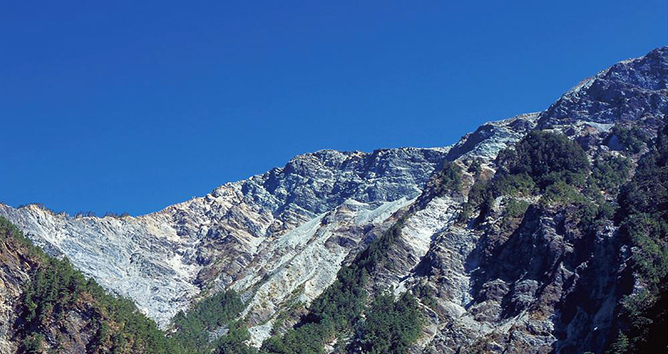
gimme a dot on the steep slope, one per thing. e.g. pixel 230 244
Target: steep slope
pixel 46 306
pixel 524 252
pixel 241 232
pixel 502 254
pixel 627 91
pixel 539 268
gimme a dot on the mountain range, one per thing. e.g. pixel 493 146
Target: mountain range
pixel 522 237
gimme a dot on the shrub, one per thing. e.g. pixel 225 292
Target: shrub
pixel 631 139
pixel 545 157
pixel 56 288
pixel 643 216
pixel 391 327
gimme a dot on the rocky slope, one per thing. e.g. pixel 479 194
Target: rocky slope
pixel 537 281
pixel 279 238
pixel 243 233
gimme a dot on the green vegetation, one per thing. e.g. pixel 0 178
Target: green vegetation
pixel 57 290
pixel 552 167
pixel 477 195
pixel 391 326
pixel 514 209
pixel 335 312
pixel 120 328
pixel 375 255
pixel 447 181
pixel 644 213
pixel 520 184
pixel 193 329
pixel 426 295
pixel 643 216
pixel 546 158
pixel 555 168
pixel 631 139
pixel 562 193
pixel 234 342
pixel 543 164
pixel 450 176
pixel 540 162
pixel 608 173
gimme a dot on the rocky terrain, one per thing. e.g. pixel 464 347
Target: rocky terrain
pixel 242 233
pixel 488 278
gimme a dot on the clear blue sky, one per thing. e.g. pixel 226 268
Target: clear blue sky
pixel 129 106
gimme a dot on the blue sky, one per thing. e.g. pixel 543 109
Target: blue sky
pixel 129 106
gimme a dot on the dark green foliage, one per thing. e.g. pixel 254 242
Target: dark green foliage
pixel 391 327
pixel 334 313
pixel 52 291
pixel 450 177
pixel 206 316
pixel 520 184
pixel 56 289
pixel 643 215
pixel 446 181
pixel 631 139
pixel 340 305
pixel 541 161
pixel 557 169
pixel 648 234
pixel 307 339
pixel 562 193
pixel 620 346
pixel 475 167
pixel 426 295
pixel 33 343
pixel 546 158
pixel 514 209
pixel 10 233
pixel 608 173
pixel 234 341
pixel 643 212
pixel 375 255
pixel 478 194
pixel 478 191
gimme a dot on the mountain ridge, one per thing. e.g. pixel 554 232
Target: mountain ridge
pixel 292 228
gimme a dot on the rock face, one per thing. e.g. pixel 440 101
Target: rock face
pixel 536 284
pixel 629 90
pixel 14 274
pixel 279 238
pixel 18 264
pixel 242 233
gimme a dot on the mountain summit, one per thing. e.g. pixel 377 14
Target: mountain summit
pixel 521 237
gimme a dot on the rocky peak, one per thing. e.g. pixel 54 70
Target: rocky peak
pixel 279 238
pixel 629 90
pixel 162 260
pixel 490 138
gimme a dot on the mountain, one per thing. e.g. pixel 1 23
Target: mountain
pixel 521 237
pixel 239 233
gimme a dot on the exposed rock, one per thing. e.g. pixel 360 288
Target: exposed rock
pixel 629 90
pixel 539 285
pixel 240 232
